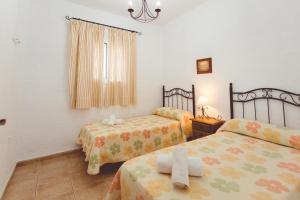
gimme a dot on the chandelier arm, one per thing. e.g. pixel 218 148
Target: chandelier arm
pixel 140 14
pixel 151 15
pixel 145 15
pixel 137 16
pixel 147 10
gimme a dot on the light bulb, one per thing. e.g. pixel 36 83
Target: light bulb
pixel 202 100
pixel 130 3
pixel 158 4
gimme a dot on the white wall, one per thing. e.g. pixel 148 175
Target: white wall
pixel 46 124
pixel 8 14
pixel 253 43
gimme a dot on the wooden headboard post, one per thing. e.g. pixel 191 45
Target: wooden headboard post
pixel 231 101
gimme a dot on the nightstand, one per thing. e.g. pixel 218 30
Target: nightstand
pixel 204 126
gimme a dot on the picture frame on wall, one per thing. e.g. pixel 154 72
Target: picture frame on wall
pixel 204 66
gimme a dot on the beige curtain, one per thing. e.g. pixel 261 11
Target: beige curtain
pixel 121 84
pixel 86 66
pixel 88 87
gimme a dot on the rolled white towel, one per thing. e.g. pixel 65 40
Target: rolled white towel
pixel 164 165
pixel 180 173
pixel 195 166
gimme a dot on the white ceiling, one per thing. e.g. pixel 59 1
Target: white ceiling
pixel 170 8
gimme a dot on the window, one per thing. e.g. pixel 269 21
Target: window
pixel 105 65
pixel 105 61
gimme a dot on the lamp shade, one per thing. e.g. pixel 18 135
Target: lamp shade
pixel 202 100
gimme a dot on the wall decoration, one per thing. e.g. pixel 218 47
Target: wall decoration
pixel 204 66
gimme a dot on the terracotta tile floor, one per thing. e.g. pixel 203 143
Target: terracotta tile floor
pixel 60 178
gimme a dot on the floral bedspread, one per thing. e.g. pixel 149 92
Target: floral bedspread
pixel 136 136
pixel 236 167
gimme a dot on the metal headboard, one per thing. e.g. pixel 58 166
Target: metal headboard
pixel 179 98
pixel 267 94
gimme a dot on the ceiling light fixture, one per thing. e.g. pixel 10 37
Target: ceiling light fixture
pixel 145 15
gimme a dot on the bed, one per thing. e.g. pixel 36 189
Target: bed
pixel 169 125
pixel 245 159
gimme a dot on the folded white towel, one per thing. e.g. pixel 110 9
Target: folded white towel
pixel 180 173
pixel 164 165
pixel 112 120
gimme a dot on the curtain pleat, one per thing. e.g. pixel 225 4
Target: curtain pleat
pixel 85 64
pixel 88 87
pixel 121 88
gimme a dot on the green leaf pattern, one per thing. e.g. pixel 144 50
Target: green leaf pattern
pixel 115 149
pixel 174 137
pixel 256 169
pixel 93 161
pixel 271 154
pixel 157 141
pixel 225 186
pixel 138 172
pixel 138 145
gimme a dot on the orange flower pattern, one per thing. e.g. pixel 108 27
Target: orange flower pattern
pixel 290 166
pixel 234 150
pixel 272 185
pixel 164 130
pixel 295 151
pixel 211 161
pixel 251 140
pixel 99 141
pixel 125 136
pixel 253 127
pixel 295 141
pixel 146 134
pixel 139 198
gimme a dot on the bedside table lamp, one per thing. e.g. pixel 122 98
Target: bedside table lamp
pixel 202 102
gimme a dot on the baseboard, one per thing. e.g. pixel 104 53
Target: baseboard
pixel 26 162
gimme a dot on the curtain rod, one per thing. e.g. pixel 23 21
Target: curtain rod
pixel 70 18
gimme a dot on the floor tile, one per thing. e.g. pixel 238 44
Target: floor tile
pixel 25 172
pixel 59 178
pixel 54 190
pixel 60 162
pixel 95 192
pixel 23 189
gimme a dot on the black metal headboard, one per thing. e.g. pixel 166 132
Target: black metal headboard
pixel 267 94
pixel 179 98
